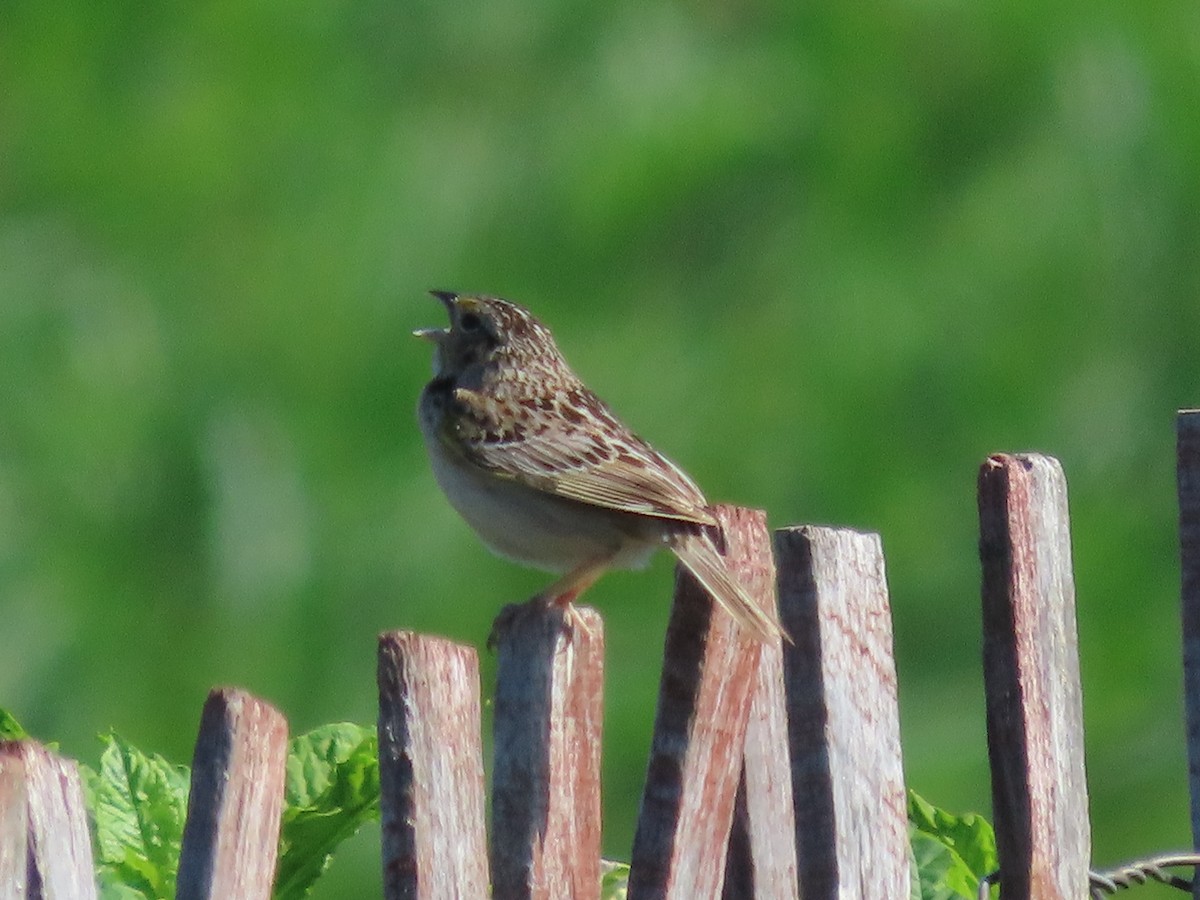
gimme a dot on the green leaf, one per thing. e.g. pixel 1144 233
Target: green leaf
pixel 332 789
pixel 111 887
pixel 951 854
pixel 938 873
pixel 10 728
pixel 614 880
pixel 138 804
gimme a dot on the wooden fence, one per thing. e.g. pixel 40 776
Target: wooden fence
pixel 775 770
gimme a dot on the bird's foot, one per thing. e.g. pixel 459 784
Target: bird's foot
pixel 516 615
pixel 554 612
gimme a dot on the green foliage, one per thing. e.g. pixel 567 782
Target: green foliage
pixel 951 854
pixel 138 805
pixel 614 880
pixel 332 789
pixel 10 728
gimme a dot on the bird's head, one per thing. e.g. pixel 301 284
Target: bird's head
pixel 485 331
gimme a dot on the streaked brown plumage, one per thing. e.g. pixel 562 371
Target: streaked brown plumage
pixel 544 471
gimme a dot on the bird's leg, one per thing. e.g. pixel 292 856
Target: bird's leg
pixel 567 589
pixel 560 595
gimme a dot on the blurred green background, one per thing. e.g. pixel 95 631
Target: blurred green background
pixel 827 258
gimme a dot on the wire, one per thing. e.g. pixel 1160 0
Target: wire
pixel 1103 884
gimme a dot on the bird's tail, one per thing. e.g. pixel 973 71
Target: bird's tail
pixel 698 551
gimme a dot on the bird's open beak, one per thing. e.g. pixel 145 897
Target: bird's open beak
pixel 436 334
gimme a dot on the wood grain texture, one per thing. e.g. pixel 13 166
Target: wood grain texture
pixel 708 682
pixel 58 847
pixel 546 777
pixel 1031 674
pixel 844 724
pixel 231 836
pixel 761 861
pixel 1187 475
pixel 430 769
pixel 14 823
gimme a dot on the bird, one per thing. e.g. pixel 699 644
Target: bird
pixel 547 475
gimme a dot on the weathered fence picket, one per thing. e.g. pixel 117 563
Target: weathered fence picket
pixel 843 719
pixel 430 769
pixel 231 836
pixel 709 670
pixel 1031 679
pixel 761 861
pixel 775 769
pixel 1187 474
pixel 58 852
pixel 14 822
pixel 546 779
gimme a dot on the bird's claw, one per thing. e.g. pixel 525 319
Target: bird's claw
pixel 562 617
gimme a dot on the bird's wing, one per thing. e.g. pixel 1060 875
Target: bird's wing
pixel 577 460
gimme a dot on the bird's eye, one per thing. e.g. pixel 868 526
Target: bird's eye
pixel 470 322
